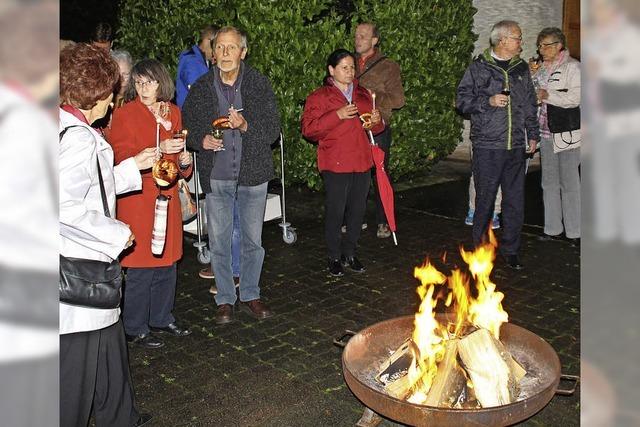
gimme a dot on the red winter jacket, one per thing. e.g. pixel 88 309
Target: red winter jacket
pixel 343 145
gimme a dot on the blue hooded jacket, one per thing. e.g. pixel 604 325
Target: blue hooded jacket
pixel 191 66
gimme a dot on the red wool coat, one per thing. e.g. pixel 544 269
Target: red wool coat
pixel 134 128
pixel 343 145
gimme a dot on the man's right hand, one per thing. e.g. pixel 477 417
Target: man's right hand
pixel 211 143
pixel 349 111
pixel 499 100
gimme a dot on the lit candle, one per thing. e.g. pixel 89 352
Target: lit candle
pixel 373 95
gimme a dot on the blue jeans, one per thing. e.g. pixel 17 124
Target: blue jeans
pixel 251 203
pixel 235 242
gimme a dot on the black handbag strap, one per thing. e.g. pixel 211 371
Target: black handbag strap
pixel 371 66
pixel 103 193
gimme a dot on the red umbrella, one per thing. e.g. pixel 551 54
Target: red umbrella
pixel 384 186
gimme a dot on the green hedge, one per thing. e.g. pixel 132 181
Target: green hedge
pixel 289 41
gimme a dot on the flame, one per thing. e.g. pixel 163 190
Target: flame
pixel 484 311
pixel 427 333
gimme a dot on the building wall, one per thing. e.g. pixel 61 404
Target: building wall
pixel 532 15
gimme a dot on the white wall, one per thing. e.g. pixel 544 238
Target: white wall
pixel 532 15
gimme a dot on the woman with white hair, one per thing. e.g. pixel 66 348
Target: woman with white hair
pixel 558 85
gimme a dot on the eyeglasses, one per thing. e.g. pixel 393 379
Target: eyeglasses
pixel 541 45
pixel 519 38
pixel 144 84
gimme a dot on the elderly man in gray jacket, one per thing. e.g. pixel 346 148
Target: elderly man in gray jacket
pixel 238 165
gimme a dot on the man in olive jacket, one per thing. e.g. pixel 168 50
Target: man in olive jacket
pixel 497 92
pixel 381 76
pixel 239 165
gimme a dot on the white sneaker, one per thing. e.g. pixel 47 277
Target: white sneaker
pixel 383 231
pixel 344 227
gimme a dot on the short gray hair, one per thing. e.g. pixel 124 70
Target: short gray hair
pixel 554 32
pixel 501 30
pixel 122 55
pixel 230 29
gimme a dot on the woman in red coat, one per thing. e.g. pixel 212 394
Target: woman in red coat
pixel 332 118
pixel 150 285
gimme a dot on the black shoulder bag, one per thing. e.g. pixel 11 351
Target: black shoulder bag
pixel 563 119
pixel 90 283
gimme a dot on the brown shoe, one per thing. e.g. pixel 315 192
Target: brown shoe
pixel 224 314
pixel 256 308
pixel 206 273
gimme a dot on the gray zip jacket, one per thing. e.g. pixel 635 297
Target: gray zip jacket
pixel 493 127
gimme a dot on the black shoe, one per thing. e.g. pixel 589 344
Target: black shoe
pixel 172 329
pixel 335 268
pixel 145 340
pixel 142 420
pixel 513 262
pixel 353 263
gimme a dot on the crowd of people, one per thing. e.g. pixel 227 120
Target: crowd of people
pixel 118 119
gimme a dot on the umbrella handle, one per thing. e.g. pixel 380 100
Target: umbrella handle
pixel 371 137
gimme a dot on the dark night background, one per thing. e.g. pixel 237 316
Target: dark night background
pixel 78 17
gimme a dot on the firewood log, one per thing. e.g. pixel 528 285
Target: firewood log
pixel 490 367
pixel 393 372
pixel 450 382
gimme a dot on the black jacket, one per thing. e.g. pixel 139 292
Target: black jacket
pixel 261 112
pixel 494 127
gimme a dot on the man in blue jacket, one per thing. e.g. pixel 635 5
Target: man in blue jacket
pixel 497 92
pixel 193 63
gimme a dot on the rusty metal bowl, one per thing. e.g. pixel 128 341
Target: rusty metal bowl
pixel 367 350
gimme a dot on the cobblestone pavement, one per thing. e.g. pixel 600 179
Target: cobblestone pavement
pixel 284 371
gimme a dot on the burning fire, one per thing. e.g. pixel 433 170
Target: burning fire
pixel 484 311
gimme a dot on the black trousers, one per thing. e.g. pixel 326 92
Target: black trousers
pixel 94 371
pixel 149 296
pixel 384 141
pixel 345 198
pixel 491 169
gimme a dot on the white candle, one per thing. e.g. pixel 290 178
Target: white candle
pixel 373 95
pixel 157 137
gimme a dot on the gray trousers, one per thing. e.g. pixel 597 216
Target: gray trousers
pixel 560 190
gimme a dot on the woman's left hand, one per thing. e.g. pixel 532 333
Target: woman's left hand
pixel 171 145
pixel 184 159
pixel 542 94
pixel 375 117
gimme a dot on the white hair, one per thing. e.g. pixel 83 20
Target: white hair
pixel 122 55
pixel 501 30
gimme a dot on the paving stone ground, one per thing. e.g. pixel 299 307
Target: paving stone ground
pixel 285 371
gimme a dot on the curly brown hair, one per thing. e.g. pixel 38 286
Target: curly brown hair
pixel 87 75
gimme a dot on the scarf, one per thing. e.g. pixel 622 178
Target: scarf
pixel 163 116
pixel 541 81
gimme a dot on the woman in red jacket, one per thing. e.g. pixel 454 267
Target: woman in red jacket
pixel 332 118
pixel 150 286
